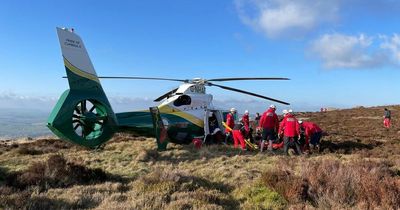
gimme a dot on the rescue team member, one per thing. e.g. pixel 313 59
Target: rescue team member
pixel 387 117
pixel 290 128
pixel 248 134
pixel 312 132
pixel 257 119
pixel 230 122
pixel 238 130
pixel 269 123
pixel 246 121
pixel 284 112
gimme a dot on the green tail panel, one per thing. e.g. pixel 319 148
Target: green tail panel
pixel 83 114
pixel 89 129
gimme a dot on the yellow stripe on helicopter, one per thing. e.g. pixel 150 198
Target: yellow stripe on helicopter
pixel 165 109
pixel 80 72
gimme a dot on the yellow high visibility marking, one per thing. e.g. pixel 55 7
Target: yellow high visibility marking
pixel 165 109
pixel 80 72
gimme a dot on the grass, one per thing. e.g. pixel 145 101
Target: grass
pixel 258 196
pixel 358 168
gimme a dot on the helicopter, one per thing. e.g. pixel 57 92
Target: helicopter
pixel 83 114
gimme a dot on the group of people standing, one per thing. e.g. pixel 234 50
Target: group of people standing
pixel 289 132
pixel 272 133
pixel 294 133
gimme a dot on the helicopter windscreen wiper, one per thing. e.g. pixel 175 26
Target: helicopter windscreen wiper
pixel 166 95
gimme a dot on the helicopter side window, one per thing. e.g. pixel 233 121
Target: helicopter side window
pixel 182 100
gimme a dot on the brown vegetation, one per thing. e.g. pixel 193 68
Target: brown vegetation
pixel 56 172
pixel 331 184
pixel 358 168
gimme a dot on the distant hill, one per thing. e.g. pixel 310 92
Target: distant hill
pixel 23 123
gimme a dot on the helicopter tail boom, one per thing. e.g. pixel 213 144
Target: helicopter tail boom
pixel 83 114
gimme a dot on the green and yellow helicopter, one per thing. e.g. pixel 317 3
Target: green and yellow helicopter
pixel 83 114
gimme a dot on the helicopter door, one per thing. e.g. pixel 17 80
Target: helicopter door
pixel 214 120
pixel 206 122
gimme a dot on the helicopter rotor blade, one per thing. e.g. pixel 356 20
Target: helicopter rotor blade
pixel 246 78
pixel 249 93
pixel 165 95
pixel 143 78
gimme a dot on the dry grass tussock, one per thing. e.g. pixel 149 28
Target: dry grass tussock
pixel 331 184
pixel 358 168
pixel 175 189
pixel 56 172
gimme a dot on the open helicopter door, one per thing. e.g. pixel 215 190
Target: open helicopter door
pixel 212 126
pixel 206 123
pixel 159 129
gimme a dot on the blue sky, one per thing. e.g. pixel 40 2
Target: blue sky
pixel 337 53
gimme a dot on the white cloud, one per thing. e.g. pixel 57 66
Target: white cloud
pixel 286 17
pixel 356 52
pixel 392 44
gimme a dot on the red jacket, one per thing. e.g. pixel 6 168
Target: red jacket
pixel 246 122
pixel 310 128
pixel 289 126
pixel 230 121
pixel 269 120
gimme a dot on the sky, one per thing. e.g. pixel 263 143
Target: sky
pixel 337 53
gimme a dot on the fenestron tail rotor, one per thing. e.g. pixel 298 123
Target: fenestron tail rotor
pixel 88 119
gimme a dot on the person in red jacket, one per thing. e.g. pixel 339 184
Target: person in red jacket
pixel 230 122
pixel 387 117
pixel 312 132
pixel 269 123
pixel 238 137
pixel 290 128
pixel 247 128
pixel 246 121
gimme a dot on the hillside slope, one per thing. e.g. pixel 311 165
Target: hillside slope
pixel 358 167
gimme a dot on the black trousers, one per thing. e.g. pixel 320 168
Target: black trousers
pixel 290 142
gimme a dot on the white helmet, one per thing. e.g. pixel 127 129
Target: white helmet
pixel 290 111
pixel 246 112
pixel 285 111
pixel 272 106
pixel 233 110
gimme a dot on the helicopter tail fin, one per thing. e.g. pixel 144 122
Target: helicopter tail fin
pixel 159 129
pixel 83 114
pixel 78 66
